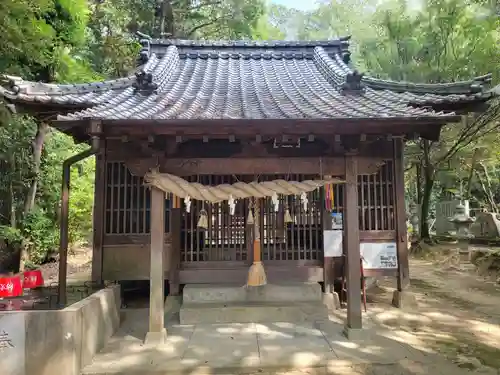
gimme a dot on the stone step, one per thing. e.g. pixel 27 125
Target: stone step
pixel 252 312
pixel 214 293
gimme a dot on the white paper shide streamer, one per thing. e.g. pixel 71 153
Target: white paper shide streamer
pixel 187 202
pixel 232 205
pixel 276 202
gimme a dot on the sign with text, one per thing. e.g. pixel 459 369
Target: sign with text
pixel 10 287
pixel 32 279
pixel 12 341
pixel 379 255
pixel 332 243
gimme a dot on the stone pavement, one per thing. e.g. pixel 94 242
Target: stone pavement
pixel 262 348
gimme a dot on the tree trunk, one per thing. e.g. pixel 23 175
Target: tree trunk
pixel 29 202
pixel 419 182
pixel 471 175
pixel 166 19
pixel 428 174
pixel 12 196
pixel 486 187
pixel 426 203
pixel 38 143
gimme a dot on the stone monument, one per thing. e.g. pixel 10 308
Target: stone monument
pixel 12 340
pixel 462 223
pixel 415 223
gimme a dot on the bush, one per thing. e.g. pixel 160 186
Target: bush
pixel 10 246
pixel 41 235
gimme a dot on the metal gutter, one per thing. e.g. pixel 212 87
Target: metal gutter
pixel 64 216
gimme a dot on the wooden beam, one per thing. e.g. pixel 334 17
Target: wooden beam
pixel 98 216
pixel 351 243
pixel 328 262
pixel 273 127
pixel 175 259
pixel 157 332
pixel 223 166
pixel 401 229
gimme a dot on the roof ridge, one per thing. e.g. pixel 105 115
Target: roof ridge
pixel 468 87
pixel 472 86
pixel 340 42
pixel 268 55
pixel 337 73
pixel 17 85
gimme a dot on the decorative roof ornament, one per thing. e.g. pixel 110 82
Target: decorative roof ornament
pixel 144 83
pixel 353 84
pixel 346 57
pixel 145 52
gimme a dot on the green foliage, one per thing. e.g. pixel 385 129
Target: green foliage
pixel 444 41
pixel 40 234
pixel 72 41
pixel 16 165
pixel 82 194
pixel 10 235
pixel 264 29
pixel 26 37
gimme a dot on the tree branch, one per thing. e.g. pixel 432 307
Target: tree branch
pixel 202 25
pixel 479 128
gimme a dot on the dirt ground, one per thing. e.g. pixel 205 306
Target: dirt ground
pixel 458 312
pixel 79 266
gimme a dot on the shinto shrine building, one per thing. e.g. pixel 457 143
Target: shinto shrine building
pixel 226 112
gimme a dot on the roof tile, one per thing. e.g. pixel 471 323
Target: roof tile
pixel 245 80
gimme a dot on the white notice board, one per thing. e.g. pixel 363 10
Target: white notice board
pixel 379 255
pixel 332 243
pixel 376 255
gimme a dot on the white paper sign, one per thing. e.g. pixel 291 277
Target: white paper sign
pixel 332 243
pixel 379 255
pixel 12 342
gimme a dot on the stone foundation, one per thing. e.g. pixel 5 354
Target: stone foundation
pixel 293 302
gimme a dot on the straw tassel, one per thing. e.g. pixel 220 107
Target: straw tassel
pixel 250 220
pixel 288 217
pixel 256 273
pixel 203 220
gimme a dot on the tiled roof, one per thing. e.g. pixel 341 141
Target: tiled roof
pixel 247 80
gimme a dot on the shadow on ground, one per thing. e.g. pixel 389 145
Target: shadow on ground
pixel 458 315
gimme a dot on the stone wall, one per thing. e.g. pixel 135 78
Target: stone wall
pixel 58 341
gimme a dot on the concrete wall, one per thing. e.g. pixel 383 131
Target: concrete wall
pixel 60 341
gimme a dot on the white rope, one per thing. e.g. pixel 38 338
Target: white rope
pixel 240 190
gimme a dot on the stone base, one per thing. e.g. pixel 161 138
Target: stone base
pixel 226 303
pixel 224 293
pixel 156 338
pixel 252 312
pixel 404 300
pixel 355 334
pixel 331 301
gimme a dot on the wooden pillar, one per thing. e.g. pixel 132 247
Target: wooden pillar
pixel 175 232
pixel 98 215
pixel 328 262
pixel 157 332
pixel 401 229
pixel 330 297
pixel 351 246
